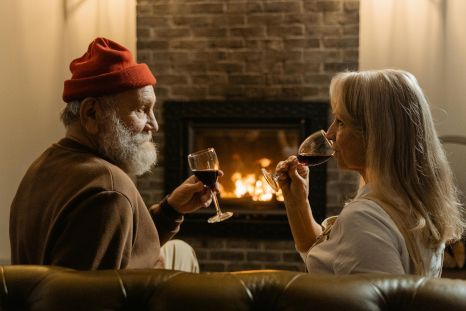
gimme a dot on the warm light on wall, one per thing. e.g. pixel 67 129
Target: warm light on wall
pixel 87 19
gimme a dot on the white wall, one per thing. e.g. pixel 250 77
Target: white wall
pixel 427 38
pixel 39 38
pixel 455 67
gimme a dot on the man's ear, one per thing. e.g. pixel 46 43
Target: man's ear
pixel 89 112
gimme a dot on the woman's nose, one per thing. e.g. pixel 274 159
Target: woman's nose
pixel 330 132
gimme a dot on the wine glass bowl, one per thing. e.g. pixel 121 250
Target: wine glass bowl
pixel 315 150
pixel 204 164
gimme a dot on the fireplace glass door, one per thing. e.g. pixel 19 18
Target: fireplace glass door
pixel 242 151
pixel 246 136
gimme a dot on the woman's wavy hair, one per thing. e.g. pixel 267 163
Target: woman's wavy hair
pixel 405 162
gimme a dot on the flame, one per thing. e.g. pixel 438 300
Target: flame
pixel 264 162
pixel 251 186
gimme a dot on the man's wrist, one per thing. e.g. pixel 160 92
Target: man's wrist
pixel 168 208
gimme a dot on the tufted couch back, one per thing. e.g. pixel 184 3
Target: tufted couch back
pixel 53 288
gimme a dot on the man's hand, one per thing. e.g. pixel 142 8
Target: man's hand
pixel 190 196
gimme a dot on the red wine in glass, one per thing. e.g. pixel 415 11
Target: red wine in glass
pixel 312 160
pixel 208 177
pixel 204 164
pixel 316 149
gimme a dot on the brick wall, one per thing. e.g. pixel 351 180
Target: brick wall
pixel 235 254
pixel 247 49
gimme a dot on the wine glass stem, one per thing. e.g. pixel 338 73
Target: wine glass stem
pixel 217 207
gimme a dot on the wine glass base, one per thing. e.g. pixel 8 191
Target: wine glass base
pixel 219 217
pixel 271 182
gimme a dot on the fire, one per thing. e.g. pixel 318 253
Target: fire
pixel 264 162
pixel 250 185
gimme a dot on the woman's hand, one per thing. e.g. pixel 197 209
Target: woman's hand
pixel 293 180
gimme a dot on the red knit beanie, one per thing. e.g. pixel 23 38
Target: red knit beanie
pixel 106 68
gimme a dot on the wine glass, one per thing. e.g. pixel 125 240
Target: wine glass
pixel 204 164
pixel 316 149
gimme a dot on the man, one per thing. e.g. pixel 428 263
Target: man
pixel 77 206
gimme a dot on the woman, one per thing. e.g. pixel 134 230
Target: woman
pixel 408 208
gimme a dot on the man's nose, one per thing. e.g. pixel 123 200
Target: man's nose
pixel 152 122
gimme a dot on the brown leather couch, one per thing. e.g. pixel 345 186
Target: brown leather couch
pixel 53 288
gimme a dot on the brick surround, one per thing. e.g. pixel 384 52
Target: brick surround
pixel 247 50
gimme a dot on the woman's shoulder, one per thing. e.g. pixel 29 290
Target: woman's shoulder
pixel 364 221
pixel 365 212
pixel 363 207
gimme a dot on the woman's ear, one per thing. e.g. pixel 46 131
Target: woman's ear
pixel 89 111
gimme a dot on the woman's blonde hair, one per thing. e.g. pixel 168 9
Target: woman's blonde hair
pixel 405 162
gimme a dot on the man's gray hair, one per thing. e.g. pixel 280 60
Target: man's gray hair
pixel 70 113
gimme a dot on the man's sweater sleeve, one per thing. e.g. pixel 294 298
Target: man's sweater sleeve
pixel 166 219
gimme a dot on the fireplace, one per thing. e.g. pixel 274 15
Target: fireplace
pixel 252 51
pixel 246 136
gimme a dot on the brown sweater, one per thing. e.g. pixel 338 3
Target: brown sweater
pixel 75 209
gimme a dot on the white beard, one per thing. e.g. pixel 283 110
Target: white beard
pixel 134 153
